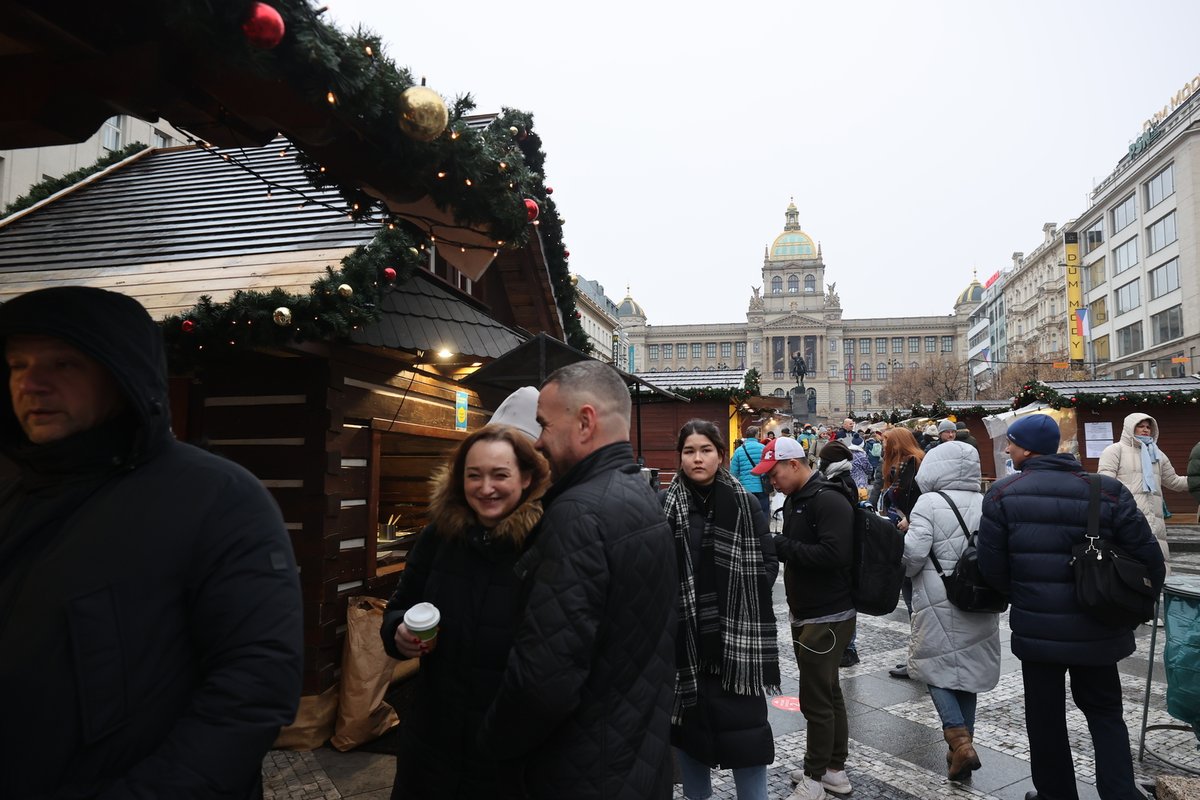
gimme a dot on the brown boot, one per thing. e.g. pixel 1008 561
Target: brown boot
pixel 963 758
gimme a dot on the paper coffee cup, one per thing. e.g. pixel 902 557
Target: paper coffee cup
pixel 422 621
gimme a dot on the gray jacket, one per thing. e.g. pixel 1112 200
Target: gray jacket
pixel 950 648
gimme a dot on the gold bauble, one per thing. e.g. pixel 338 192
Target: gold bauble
pixel 282 316
pixel 423 114
pixel 345 290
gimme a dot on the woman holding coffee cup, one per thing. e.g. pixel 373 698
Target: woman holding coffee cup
pixel 457 591
pixel 726 654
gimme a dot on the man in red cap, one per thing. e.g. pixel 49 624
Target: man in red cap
pixel 816 547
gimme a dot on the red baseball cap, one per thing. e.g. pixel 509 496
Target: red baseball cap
pixel 776 450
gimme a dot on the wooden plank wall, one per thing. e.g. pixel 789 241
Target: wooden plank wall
pixel 1179 430
pixel 661 422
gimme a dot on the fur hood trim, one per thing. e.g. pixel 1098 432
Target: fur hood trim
pixel 453 517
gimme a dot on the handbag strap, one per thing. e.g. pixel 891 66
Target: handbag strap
pixel 962 524
pixel 753 463
pixel 1093 522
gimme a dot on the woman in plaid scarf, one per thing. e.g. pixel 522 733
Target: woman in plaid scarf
pixel 726 656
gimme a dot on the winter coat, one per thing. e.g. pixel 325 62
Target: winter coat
pixel 817 548
pixel 150 614
pixel 468 574
pixel 1030 522
pixel 586 698
pixel 746 458
pixel 950 648
pixel 1193 472
pixel 723 728
pixel 1123 461
pixel 860 469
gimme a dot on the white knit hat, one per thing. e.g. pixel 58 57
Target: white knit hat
pixel 519 410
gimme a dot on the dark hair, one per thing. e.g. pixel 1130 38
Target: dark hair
pixel 592 382
pixel 704 428
pixel 529 461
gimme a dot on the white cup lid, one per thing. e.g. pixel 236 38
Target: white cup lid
pixel 422 616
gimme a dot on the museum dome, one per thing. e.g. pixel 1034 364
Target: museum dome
pixel 630 307
pixel 971 295
pixel 793 244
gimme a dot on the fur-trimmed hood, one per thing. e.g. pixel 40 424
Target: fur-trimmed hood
pixel 453 517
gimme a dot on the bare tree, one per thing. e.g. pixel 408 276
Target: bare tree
pixel 925 384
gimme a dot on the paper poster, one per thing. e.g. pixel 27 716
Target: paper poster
pixel 1096 446
pixel 1098 430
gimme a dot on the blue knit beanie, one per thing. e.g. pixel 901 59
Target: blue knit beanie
pixel 1037 433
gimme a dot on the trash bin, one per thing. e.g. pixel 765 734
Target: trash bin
pixel 1181 658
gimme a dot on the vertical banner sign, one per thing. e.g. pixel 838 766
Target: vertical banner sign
pixel 1074 296
pixel 460 411
pixel 616 349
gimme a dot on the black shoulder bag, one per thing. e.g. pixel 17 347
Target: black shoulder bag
pixel 749 457
pixel 1110 585
pixel 965 587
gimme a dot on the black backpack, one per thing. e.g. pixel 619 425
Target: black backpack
pixel 965 587
pixel 877 570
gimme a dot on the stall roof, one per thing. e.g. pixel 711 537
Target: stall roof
pixel 698 379
pixel 1189 383
pixel 530 363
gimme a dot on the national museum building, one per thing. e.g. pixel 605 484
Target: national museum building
pixel 847 361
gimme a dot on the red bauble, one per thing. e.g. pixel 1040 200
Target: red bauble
pixel 264 27
pixel 578 315
pixel 187 326
pixel 531 209
pixel 549 190
pixel 566 253
pixel 389 274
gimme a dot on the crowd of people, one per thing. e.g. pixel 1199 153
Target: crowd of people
pixel 596 635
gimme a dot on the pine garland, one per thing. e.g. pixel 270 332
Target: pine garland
pixel 1038 392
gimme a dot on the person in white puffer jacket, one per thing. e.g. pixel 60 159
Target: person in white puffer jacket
pixel 1145 470
pixel 955 652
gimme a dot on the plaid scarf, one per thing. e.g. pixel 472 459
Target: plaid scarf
pixel 726 619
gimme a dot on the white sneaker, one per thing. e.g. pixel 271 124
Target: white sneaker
pixel 807 789
pixel 835 780
pixel 796 775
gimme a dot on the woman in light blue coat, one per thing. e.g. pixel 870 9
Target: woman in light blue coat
pixel 955 652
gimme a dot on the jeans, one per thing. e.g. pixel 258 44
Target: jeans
pixel 751 782
pixel 819 649
pixel 1097 693
pixel 954 706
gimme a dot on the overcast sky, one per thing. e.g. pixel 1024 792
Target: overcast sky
pixel 920 140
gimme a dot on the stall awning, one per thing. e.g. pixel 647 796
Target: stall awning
pixel 530 363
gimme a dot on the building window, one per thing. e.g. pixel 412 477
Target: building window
pixel 1167 325
pixel 777 285
pixel 881 370
pixel 110 133
pixel 1098 310
pixel 833 369
pixel 1129 297
pixel 850 398
pixel 914 344
pixel 696 351
pixel 810 284
pixel 1093 275
pixel 653 352
pixel 668 352
pixel 159 139
pixel 864 347
pixel 947 344
pixel 1129 339
pixel 866 400
pixel 881 346
pixel 897 344
pixel 1161 186
pixel 849 346
pixel 848 372
pixel 914 365
pixel 739 349
pixel 833 345
pixel 1124 214
pixel 1093 237
pixel 864 372
pixel 777 393
pixel 726 349
pixel 1161 234
pixel 1100 348
pixel 897 366
pixel 930 344
pixel 1125 256
pixel 793 284
pixel 1165 279
pixel 756 347
pixel 710 350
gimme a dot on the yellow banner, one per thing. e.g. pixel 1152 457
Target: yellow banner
pixel 1074 296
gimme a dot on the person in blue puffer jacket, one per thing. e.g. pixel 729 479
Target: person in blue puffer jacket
pixel 745 458
pixel 1030 522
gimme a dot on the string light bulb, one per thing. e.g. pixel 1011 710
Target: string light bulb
pixel 467 181
pixel 441 174
pixel 369 51
pixel 331 98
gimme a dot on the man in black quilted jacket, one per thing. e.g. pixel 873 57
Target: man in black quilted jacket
pixel 584 708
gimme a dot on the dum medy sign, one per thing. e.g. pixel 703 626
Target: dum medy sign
pixel 1074 296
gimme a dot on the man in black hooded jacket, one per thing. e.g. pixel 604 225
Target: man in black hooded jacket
pixel 150 624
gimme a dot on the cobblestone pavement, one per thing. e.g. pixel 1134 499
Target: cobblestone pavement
pixel 896 748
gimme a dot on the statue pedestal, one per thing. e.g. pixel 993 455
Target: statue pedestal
pixel 799 398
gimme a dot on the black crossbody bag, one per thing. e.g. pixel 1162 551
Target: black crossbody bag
pixel 1110 585
pixel 965 587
